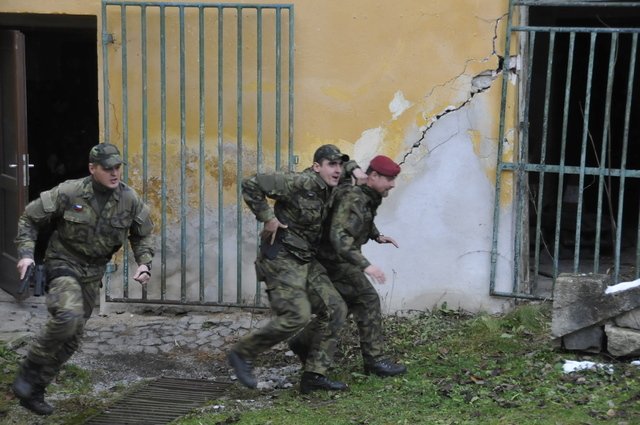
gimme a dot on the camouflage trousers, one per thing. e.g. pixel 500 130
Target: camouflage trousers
pixel 363 302
pixel 70 303
pixel 296 291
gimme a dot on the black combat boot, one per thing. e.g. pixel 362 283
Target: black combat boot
pixel 314 381
pixel 29 389
pixel 27 377
pixel 299 349
pixel 243 369
pixel 36 402
pixel 385 367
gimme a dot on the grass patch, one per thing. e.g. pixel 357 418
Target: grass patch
pixel 463 369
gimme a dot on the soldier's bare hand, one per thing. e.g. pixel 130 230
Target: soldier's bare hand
pixel 23 265
pixel 376 274
pixel 271 228
pixel 143 274
pixel 387 239
pixel 359 176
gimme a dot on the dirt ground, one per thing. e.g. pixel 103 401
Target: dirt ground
pixel 112 376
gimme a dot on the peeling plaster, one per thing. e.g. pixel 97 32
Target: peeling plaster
pixel 368 146
pixel 399 104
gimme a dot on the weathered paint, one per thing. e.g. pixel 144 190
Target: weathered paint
pixel 380 77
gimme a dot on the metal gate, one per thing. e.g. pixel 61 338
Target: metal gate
pixel 576 163
pixel 199 96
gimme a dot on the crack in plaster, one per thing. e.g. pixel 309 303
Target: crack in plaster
pixel 479 84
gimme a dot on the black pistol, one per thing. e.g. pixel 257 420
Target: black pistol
pixel 40 281
pixel 26 280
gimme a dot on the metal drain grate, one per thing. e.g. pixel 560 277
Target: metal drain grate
pixel 160 402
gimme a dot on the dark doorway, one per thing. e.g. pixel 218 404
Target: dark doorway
pixel 60 63
pixel 62 94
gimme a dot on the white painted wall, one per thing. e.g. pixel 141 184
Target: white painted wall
pixel 441 214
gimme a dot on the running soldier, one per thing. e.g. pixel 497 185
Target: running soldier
pixel 351 226
pixel 91 219
pixel 297 284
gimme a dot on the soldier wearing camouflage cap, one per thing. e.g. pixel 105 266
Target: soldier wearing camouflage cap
pixel 91 218
pixel 351 225
pixel 297 284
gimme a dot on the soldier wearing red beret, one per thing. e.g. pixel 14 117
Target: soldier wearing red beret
pixel 349 226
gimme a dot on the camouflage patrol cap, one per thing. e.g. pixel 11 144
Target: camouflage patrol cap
pixel 330 152
pixel 106 155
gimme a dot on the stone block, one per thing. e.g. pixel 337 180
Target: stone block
pixel 622 342
pixel 580 301
pixel 587 339
pixel 630 319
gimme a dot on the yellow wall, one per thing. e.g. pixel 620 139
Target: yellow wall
pixel 352 57
pixel 356 63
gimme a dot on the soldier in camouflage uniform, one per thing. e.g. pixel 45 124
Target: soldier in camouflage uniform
pixel 91 219
pixel 297 284
pixel 351 226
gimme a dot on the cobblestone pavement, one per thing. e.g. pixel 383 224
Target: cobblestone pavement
pixel 151 330
pixel 150 342
pixel 122 347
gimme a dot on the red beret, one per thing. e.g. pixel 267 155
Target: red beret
pixel 385 166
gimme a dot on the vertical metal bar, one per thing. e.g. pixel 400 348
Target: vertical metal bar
pixel 220 156
pixel 163 156
pixel 603 151
pixel 259 147
pixel 183 165
pixel 278 86
pixel 239 160
pixel 145 113
pixel 501 141
pixel 125 132
pixel 563 150
pixel 201 170
pixel 105 75
pixel 145 102
pixel 623 156
pixel 105 109
pixel 543 147
pixel 291 63
pixel 583 153
pixel 125 94
pixel 637 268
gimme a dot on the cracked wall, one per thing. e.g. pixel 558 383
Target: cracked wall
pixel 417 81
pixel 422 84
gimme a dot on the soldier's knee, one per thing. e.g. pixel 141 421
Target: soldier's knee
pixel 298 318
pixel 67 324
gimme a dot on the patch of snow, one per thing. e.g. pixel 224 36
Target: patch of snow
pixel 622 286
pixel 575 366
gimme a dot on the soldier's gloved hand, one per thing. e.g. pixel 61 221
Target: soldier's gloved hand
pixel 376 274
pixel 271 228
pixel 143 274
pixel 23 265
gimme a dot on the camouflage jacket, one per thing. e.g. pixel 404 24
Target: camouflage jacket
pixel 302 203
pixel 83 235
pixel 350 225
